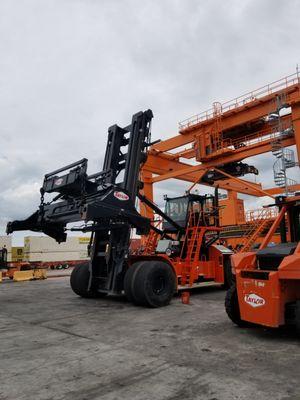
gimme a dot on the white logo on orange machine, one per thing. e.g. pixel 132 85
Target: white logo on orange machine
pixel 254 300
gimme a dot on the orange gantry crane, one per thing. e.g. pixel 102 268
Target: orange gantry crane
pixel 266 120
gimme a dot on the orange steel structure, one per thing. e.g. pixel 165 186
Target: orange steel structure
pixel 232 210
pixel 227 133
pixel 191 251
pixel 240 229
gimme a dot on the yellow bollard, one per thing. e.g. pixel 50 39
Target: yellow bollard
pixel 40 273
pixel 20 276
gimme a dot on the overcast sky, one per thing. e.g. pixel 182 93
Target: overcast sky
pixel 71 68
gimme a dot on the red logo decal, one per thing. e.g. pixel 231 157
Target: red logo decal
pixel 254 300
pixel 58 181
pixel 121 196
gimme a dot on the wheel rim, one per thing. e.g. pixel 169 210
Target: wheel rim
pixel 159 284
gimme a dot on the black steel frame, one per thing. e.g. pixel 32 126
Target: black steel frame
pixel 104 202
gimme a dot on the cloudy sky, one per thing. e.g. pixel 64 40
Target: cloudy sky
pixel 71 68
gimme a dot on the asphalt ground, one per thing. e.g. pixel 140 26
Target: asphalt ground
pixel 56 345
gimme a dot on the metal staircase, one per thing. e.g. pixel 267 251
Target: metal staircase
pixel 263 220
pixel 152 239
pixel 192 242
pixel 285 157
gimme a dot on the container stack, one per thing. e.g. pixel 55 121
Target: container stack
pixel 45 249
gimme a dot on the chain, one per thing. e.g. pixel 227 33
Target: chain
pixel 42 201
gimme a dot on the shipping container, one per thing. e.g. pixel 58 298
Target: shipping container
pixel 45 244
pixel 45 249
pixel 17 254
pixel 32 256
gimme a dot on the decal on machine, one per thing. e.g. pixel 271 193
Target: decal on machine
pixel 121 196
pixel 58 181
pixel 254 300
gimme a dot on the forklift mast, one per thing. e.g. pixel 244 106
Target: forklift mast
pixel 104 202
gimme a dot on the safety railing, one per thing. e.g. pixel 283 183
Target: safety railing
pixel 266 135
pixel 261 214
pixel 280 85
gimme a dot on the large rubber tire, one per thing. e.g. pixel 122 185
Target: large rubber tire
pixel 129 280
pixel 228 277
pixel 154 284
pixel 79 281
pixel 232 306
pixel 297 316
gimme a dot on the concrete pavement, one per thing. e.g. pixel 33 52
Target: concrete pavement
pixel 57 346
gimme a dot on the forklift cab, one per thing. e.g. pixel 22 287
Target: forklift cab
pixel 177 209
pixel 180 208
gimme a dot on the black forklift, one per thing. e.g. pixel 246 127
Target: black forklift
pixel 105 204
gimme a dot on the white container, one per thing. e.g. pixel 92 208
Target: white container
pixel 45 249
pixel 33 256
pixel 46 244
pixel 55 256
pixel 63 256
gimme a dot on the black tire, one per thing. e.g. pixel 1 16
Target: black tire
pixel 154 284
pixel 79 281
pixel 228 277
pixel 232 306
pixel 297 316
pixel 129 280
